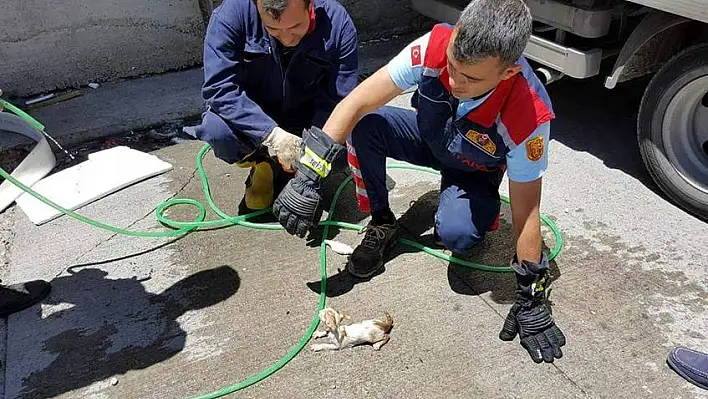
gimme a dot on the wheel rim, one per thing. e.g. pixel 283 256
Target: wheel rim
pixel 685 133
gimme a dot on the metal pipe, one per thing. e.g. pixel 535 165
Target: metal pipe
pixel 548 76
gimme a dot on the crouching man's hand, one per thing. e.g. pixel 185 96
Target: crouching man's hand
pixel 298 205
pixel 285 146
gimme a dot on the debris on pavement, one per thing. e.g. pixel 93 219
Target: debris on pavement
pixel 39 99
pixel 52 99
pixel 339 247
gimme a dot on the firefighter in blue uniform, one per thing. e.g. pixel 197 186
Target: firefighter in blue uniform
pixel 271 69
pixel 481 113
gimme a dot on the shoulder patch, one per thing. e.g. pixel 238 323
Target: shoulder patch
pixel 535 148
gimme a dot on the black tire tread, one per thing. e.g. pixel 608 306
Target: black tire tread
pixel 686 60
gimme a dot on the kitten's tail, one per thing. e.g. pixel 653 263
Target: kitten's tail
pixel 387 325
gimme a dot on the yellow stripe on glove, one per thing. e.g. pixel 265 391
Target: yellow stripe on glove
pixel 315 162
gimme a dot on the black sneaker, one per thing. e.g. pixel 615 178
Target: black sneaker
pixel 17 297
pixel 368 257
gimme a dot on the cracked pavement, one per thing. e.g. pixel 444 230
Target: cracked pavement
pixel 181 317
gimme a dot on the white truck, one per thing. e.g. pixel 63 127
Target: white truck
pixel 664 38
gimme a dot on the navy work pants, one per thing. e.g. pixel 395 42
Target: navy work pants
pixel 468 207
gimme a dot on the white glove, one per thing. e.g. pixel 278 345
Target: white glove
pixel 284 145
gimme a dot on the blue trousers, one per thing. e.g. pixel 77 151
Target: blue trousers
pixel 469 200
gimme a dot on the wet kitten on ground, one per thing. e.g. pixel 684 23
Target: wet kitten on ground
pixel 373 331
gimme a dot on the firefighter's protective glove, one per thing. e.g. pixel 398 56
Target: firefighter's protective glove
pixel 283 145
pixel 298 205
pixel 529 316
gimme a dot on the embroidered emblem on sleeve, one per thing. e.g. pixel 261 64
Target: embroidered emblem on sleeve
pixel 534 148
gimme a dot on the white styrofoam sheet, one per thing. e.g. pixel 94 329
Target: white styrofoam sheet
pixel 104 173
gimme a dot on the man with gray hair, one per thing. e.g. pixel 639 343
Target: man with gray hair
pixel 481 113
pixel 271 69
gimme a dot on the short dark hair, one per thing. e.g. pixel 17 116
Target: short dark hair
pixel 276 8
pixel 492 28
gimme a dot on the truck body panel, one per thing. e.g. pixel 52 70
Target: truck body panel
pixel 696 10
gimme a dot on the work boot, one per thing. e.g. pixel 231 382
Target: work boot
pixel 259 188
pixel 17 297
pixel 368 257
pixel 263 185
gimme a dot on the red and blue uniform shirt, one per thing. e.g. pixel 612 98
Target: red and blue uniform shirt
pixel 506 130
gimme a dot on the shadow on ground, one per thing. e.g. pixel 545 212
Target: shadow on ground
pixel 501 286
pixel 496 250
pixel 607 120
pixel 106 327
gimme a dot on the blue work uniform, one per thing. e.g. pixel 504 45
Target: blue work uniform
pixel 253 84
pixel 472 142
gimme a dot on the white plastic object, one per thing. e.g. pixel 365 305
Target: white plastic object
pixel 104 173
pixel 34 167
pixel 339 247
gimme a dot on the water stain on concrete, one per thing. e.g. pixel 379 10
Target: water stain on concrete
pixel 641 310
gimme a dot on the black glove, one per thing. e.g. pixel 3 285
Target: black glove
pixel 529 316
pixel 298 205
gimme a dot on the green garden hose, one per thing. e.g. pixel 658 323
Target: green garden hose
pixel 182 227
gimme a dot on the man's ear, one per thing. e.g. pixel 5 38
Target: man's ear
pixel 511 71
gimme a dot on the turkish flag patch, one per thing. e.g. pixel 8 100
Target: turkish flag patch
pixel 415 55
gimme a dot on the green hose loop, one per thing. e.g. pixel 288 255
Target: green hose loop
pixel 32 122
pixel 185 227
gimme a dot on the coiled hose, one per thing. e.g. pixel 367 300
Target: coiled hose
pixel 185 227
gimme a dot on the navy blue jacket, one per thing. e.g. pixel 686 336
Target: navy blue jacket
pixel 248 91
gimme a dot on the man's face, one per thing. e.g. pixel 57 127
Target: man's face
pixel 293 24
pixel 473 80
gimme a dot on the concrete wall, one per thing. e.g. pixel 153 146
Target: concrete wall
pixel 382 18
pixel 50 45
pixel 54 44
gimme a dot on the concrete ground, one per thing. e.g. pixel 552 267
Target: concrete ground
pixel 154 318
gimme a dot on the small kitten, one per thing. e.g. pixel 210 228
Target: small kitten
pixel 373 332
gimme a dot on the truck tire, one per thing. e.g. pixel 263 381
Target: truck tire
pixel 672 129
